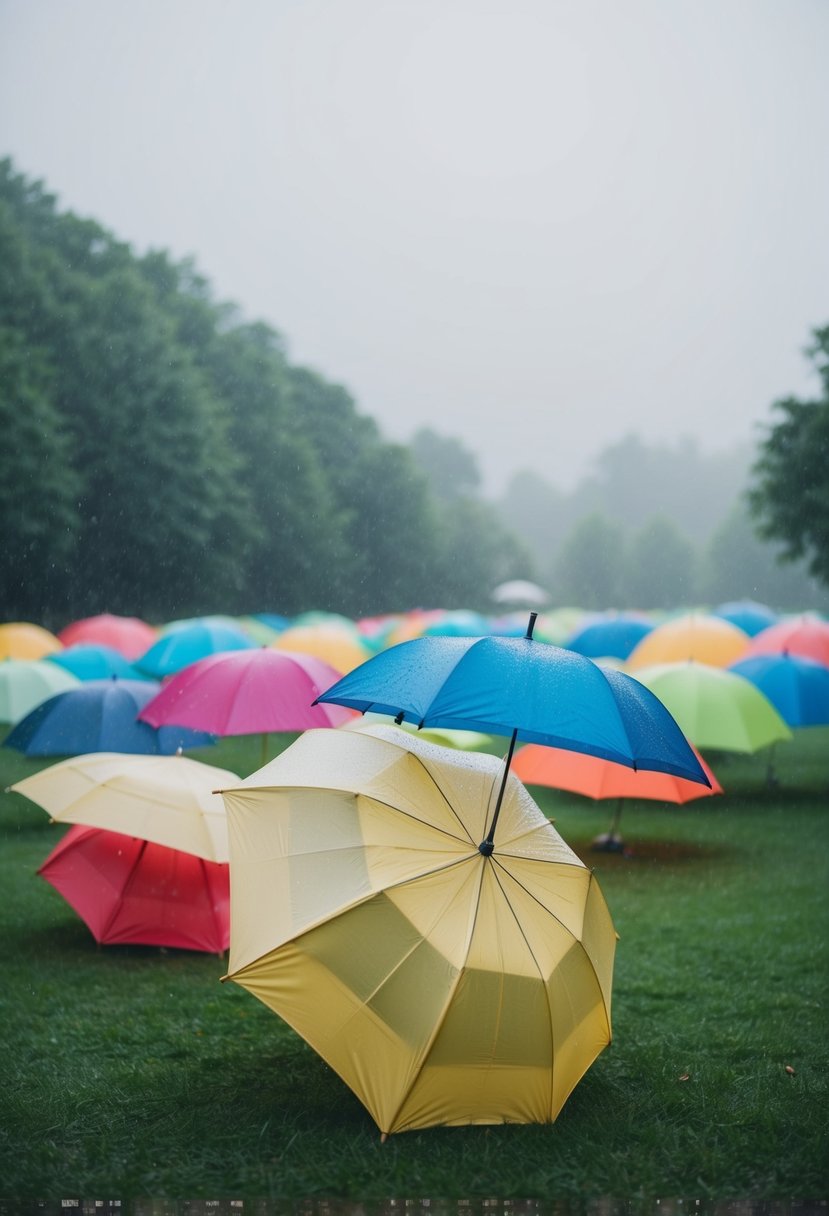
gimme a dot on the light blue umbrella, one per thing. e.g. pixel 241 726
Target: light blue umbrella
pixel 95 662
pixel 186 643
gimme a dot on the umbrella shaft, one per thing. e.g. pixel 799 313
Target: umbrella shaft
pixel 491 834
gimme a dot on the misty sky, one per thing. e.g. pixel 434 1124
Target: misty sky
pixel 532 225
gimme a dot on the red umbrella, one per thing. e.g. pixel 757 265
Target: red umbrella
pixel 597 778
pixel 132 891
pixel 128 635
pixel 805 636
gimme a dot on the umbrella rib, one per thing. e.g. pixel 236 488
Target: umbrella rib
pixel 503 891
pixel 591 880
pixel 125 887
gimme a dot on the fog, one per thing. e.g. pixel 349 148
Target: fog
pixel 534 226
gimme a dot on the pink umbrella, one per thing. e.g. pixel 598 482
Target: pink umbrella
pixel 126 634
pixel 805 636
pixel 249 692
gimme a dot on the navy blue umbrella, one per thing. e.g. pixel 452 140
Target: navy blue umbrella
pixel 523 688
pixel 100 716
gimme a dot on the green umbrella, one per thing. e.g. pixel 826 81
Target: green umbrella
pixel 713 707
pixel 26 683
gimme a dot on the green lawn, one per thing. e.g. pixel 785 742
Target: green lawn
pixel 133 1071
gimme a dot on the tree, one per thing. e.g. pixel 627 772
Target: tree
pixel 450 466
pixel 790 490
pixel 588 572
pixel 660 566
pixel 738 564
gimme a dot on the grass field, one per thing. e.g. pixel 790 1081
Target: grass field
pixel 133 1071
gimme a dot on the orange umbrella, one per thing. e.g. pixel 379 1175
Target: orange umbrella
pixel 597 778
pixel 695 635
pixel 22 640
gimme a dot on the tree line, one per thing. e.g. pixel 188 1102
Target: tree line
pixel 163 457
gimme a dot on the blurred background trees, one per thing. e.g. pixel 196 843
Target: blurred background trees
pixel 163 457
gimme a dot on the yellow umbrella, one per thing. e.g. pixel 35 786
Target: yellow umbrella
pixel 444 985
pixel 695 635
pixel 168 800
pixel 23 640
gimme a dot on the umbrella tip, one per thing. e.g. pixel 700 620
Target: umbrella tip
pixel 531 624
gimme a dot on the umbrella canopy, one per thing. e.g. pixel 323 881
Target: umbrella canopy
pixel 169 800
pixel 131 892
pixel 27 683
pixel 442 985
pixel 127 634
pixel 798 688
pixel 99 716
pixel 596 778
pixel 612 636
pixel 714 707
pixel 747 615
pixel 248 692
pixel 94 661
pixel 186 643
pixel 23 640
pixel 806 636
pixel 694 635
pixel 524 688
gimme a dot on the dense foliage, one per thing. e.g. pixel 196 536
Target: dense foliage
pixel 162 456
pixel 791 489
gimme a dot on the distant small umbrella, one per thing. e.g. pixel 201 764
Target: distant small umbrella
pixel 24 640
pixel 804 635
pixel 27 683
pixel 127 634
pixel 747 615
pixel 94 661
pixel 189 642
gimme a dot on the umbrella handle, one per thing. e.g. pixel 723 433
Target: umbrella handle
pixel 486 846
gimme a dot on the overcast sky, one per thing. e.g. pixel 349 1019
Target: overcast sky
pixel 532 225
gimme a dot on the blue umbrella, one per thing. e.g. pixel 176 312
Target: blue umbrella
pixel 99 716
pixel 797 687
pixel 92 661
pixel 527 689
pixel 609 637
pixel 747 615
pixel 186 643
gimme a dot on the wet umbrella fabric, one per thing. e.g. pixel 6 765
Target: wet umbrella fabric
pixel 24 640
pixel 596 778
pixel 99 716
pixel 442 985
